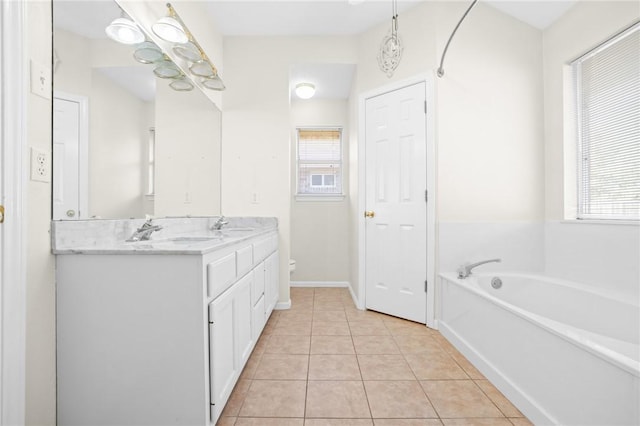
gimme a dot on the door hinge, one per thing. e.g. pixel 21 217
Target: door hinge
pixel 426 196
pixel 426 286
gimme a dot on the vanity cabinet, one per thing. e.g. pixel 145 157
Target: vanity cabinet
pixel 159 339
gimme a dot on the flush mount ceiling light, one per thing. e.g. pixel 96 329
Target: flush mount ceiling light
pixel 305 90
pixel 125 31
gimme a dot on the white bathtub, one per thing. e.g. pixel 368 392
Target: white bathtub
pixel 564 353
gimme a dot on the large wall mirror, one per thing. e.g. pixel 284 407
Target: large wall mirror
pixel 126 144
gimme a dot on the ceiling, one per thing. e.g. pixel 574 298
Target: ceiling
pixel 290 18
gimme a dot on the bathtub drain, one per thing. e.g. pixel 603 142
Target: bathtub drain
pixel 496 282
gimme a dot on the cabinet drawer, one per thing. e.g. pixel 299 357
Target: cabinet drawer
pixel 258 284
pixel 264 247
pixel 244 260
pixel 221 274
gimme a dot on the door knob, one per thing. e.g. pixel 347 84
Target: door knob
pixel 71 213
pixel 369 214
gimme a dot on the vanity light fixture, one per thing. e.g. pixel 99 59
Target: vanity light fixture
pixel 169 29
pixel 181 84
pixel 213 83
pixel 147 53
pixel 124 30
pixel 305 90
pixel 166 69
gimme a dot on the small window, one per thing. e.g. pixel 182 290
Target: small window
pixel 320 162
pixel 607 96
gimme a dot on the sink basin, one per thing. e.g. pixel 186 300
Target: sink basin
pixel 191 240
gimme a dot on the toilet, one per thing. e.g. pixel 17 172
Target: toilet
pixel 292 266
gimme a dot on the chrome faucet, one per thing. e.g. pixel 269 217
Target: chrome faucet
pixel 465 270
pixel 144 232
pixel 219 224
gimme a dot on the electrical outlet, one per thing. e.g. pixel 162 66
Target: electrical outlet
pixel 40 166
pixel 40 80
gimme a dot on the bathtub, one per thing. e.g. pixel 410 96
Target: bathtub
pixel 562 352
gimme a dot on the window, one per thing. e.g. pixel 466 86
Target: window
pixel 607 95
pixel 151 162
pixel 320 162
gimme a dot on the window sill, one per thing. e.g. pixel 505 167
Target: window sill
pixel 319 197
pixel 600 222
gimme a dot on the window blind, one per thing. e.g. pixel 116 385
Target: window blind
pixel 320 161
pixel 607 87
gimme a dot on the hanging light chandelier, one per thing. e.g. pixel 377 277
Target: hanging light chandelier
pixel 391 47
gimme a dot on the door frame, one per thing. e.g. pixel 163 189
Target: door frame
pixel 428 79
pixel 83 151
pixel 13 120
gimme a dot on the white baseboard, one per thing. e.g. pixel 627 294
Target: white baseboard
pixel 281 306
pixel 319 284
pixel 356 301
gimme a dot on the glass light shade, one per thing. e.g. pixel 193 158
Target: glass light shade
pixel 305 90
pixel 166 69
pixel 169 29
pixel 181 85
pixel 213 83
pixel 187 51
pixel 125 31
pixel 202 69
pixel 147 53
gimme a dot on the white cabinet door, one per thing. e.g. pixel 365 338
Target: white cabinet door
pixel 242 320
pixel 271 282
pixel 223 350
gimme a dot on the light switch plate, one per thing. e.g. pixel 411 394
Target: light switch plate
pixel 40 166
pixel 40 80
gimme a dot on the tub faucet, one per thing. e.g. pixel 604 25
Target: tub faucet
pixel 219 224
pixel 144 232
pixel 465 270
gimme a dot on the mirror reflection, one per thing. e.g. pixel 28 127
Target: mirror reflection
pixel 126 143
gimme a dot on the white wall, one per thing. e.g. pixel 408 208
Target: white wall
pixel 604 255
pixel 40 292
pixel 256 125
pixel 320 229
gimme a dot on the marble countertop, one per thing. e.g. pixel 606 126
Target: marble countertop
pixel 179 235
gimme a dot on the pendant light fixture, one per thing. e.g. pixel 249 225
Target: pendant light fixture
pixel 124 30
pixel 391 47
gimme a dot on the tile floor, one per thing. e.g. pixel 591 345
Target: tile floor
pixel 325 363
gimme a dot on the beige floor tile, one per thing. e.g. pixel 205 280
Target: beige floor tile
pixel 521 421
pixel 407 422
pixel 330 328
pixel 496 421
pixel 467 366
pixel 338 422
pixel 261 345
pixel 268 329
pixel 435 366
pixel 503 404
pixel 459 399
pixel 360 315
pixel 274 398
pixel 384 367
pixel 257 421
pixel 301 328
pixel 250 367
pixel 288 345
pixel 334 367
pixel 411 344
pixel 296 316
pixel 368 328
pixel 444 343
pixel 407 328
pixel 301 291
pixel 282 367
pixel 377 345
pixel 336 399
pixel 236 398
pixel 398 399
pixel 332 345
pixel 226 421
pixel 329 316
pixel 328 305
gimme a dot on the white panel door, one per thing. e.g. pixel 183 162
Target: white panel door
pixel 66 165
pixel 396 182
